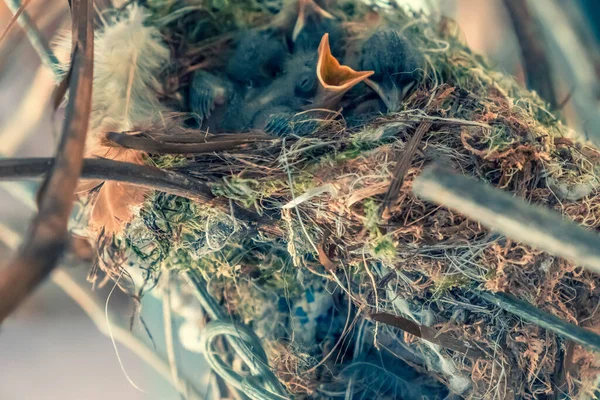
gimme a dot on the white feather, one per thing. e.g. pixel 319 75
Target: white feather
pixel 128 59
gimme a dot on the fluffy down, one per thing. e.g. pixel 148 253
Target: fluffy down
pixel 128 59
pixel 116 201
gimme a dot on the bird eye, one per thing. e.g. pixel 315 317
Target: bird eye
pixel 306 84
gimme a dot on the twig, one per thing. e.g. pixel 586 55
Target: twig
pixel 48 233
pixel 13 20
pixel 154 146
pixel 35 37
pixel 511 216
pixel 402 165
pixel 429 334
pixel 538 317
pixel 102 169
pixel 538 70
pixel 141 175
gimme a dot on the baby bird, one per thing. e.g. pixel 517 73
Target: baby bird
pixel 395 64
pixel 334 79
pixel 313 22
pixel 304 22
pixel 217 103
pixel 290 93
pixel 307 83
pixel 208 91
pixel 257 59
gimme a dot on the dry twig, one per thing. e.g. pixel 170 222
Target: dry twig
pixel 47 237
pixel 154 146
pixel 402 166
pixel 537 67
pixel 510 216
pixel 101 169
pixel 35 37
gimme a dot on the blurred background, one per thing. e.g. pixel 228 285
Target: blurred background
pixel 50 349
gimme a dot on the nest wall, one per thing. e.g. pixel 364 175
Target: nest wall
pixel 315 252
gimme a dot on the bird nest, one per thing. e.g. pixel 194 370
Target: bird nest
pixel 309 233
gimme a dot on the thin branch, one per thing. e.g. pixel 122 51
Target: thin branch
pixel 511 216
pixel 546 320
pixel 197 136
pixel 13 20
pixel 402 165
pixel 431 335
pixel 35 37
pixel 140 175
pixel 150 145
pixel 538 70
pixel 47 237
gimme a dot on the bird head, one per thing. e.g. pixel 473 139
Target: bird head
pixel 390 92
pixel 395 63
pixel 257 58
pixel 334 79
pixel 301 74
pixel 307 9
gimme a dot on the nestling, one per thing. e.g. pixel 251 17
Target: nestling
pixel 208 91
pixel 396 65
pixel 314 22
pixel 217 103
pixel 257 59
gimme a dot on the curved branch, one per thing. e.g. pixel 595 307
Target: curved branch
pixel 102 169
pixel 533 50
pixel 139 175
pixel 47 237
pixel 35 37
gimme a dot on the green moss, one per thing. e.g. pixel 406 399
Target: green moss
pixel 371 210
pixel 384 248
pixel 451 281
pixel 246 191
pixel 168 161
pixel 500 138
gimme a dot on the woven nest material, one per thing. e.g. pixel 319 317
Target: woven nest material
pixel 304 240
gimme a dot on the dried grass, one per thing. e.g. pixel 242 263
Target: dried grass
pixel 422 261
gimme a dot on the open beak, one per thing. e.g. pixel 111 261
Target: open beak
pixel 334 79
pixel 305 7
pixel 391 97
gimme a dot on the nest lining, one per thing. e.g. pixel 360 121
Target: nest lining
pixel 321 255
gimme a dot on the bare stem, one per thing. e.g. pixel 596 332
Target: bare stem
pixel 154 146
pixel 140 175
pixel 533 50
pixel 495 209
pixel 47 236
pixel 36 39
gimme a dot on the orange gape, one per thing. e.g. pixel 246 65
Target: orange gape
pixel 113 208
pixel 334 78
